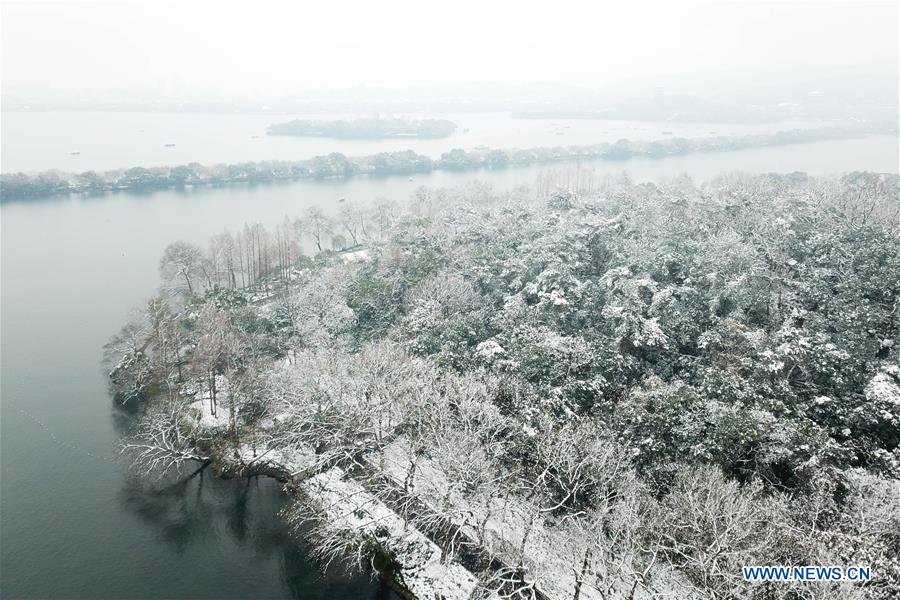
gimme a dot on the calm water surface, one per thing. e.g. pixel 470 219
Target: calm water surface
pixel 36 141
pixel 71 525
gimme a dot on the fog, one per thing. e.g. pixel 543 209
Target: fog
pixel 264 51
pixel 268 267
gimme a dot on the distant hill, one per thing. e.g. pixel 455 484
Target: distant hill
pixel 365 128
pixel 661 107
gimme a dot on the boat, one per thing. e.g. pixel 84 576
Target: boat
pixel 341 199
pixel 75 153
pixel 170 145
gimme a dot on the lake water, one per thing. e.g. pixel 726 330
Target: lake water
pixel 37 141
pixel 71 524
pixel 72 267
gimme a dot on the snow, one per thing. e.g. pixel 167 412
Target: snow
pixel 549 553
pixel 558 299
pixel 884 388
pixel 552 552
pixel 260 296
pixel 203 407
pixel 287 462
pixel 498 524
pixel 489 349
pixel 349 507
pixel 356 256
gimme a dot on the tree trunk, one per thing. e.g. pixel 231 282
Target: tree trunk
pixel 580 579
pixel 212 393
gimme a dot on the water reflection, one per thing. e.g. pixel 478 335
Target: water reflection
pixel 239 517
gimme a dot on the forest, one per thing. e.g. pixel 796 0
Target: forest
pixel 592 389
pixel 18 186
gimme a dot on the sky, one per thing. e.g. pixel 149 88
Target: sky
pixel 243 49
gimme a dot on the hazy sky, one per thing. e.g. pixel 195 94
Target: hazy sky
pixel 253 48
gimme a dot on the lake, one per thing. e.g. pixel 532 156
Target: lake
pixel 72 524
pixel 37 141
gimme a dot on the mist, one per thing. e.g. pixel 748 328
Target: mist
pixel 573 300
pixel 171 53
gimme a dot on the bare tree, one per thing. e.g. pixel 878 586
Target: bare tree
pixel 317 225
pixel 165 338
pixel 180 266
pixel 130 366
pixel 222 259
pixel 160 442
pixel 709 527
pixel 215 346
pixel 352 220
pixel 342 404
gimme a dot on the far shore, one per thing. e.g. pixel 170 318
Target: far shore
pixel 22 186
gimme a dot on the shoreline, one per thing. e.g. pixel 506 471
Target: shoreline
pixel 358 385
pixel 335 166
pixel 411 562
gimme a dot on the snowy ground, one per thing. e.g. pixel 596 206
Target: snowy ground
pixel 202 407
pixel 355 256
pixel 285 463
pixel 550 555
pixel 349 507
pixel 553 554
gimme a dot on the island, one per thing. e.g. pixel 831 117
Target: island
pixel 369 128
